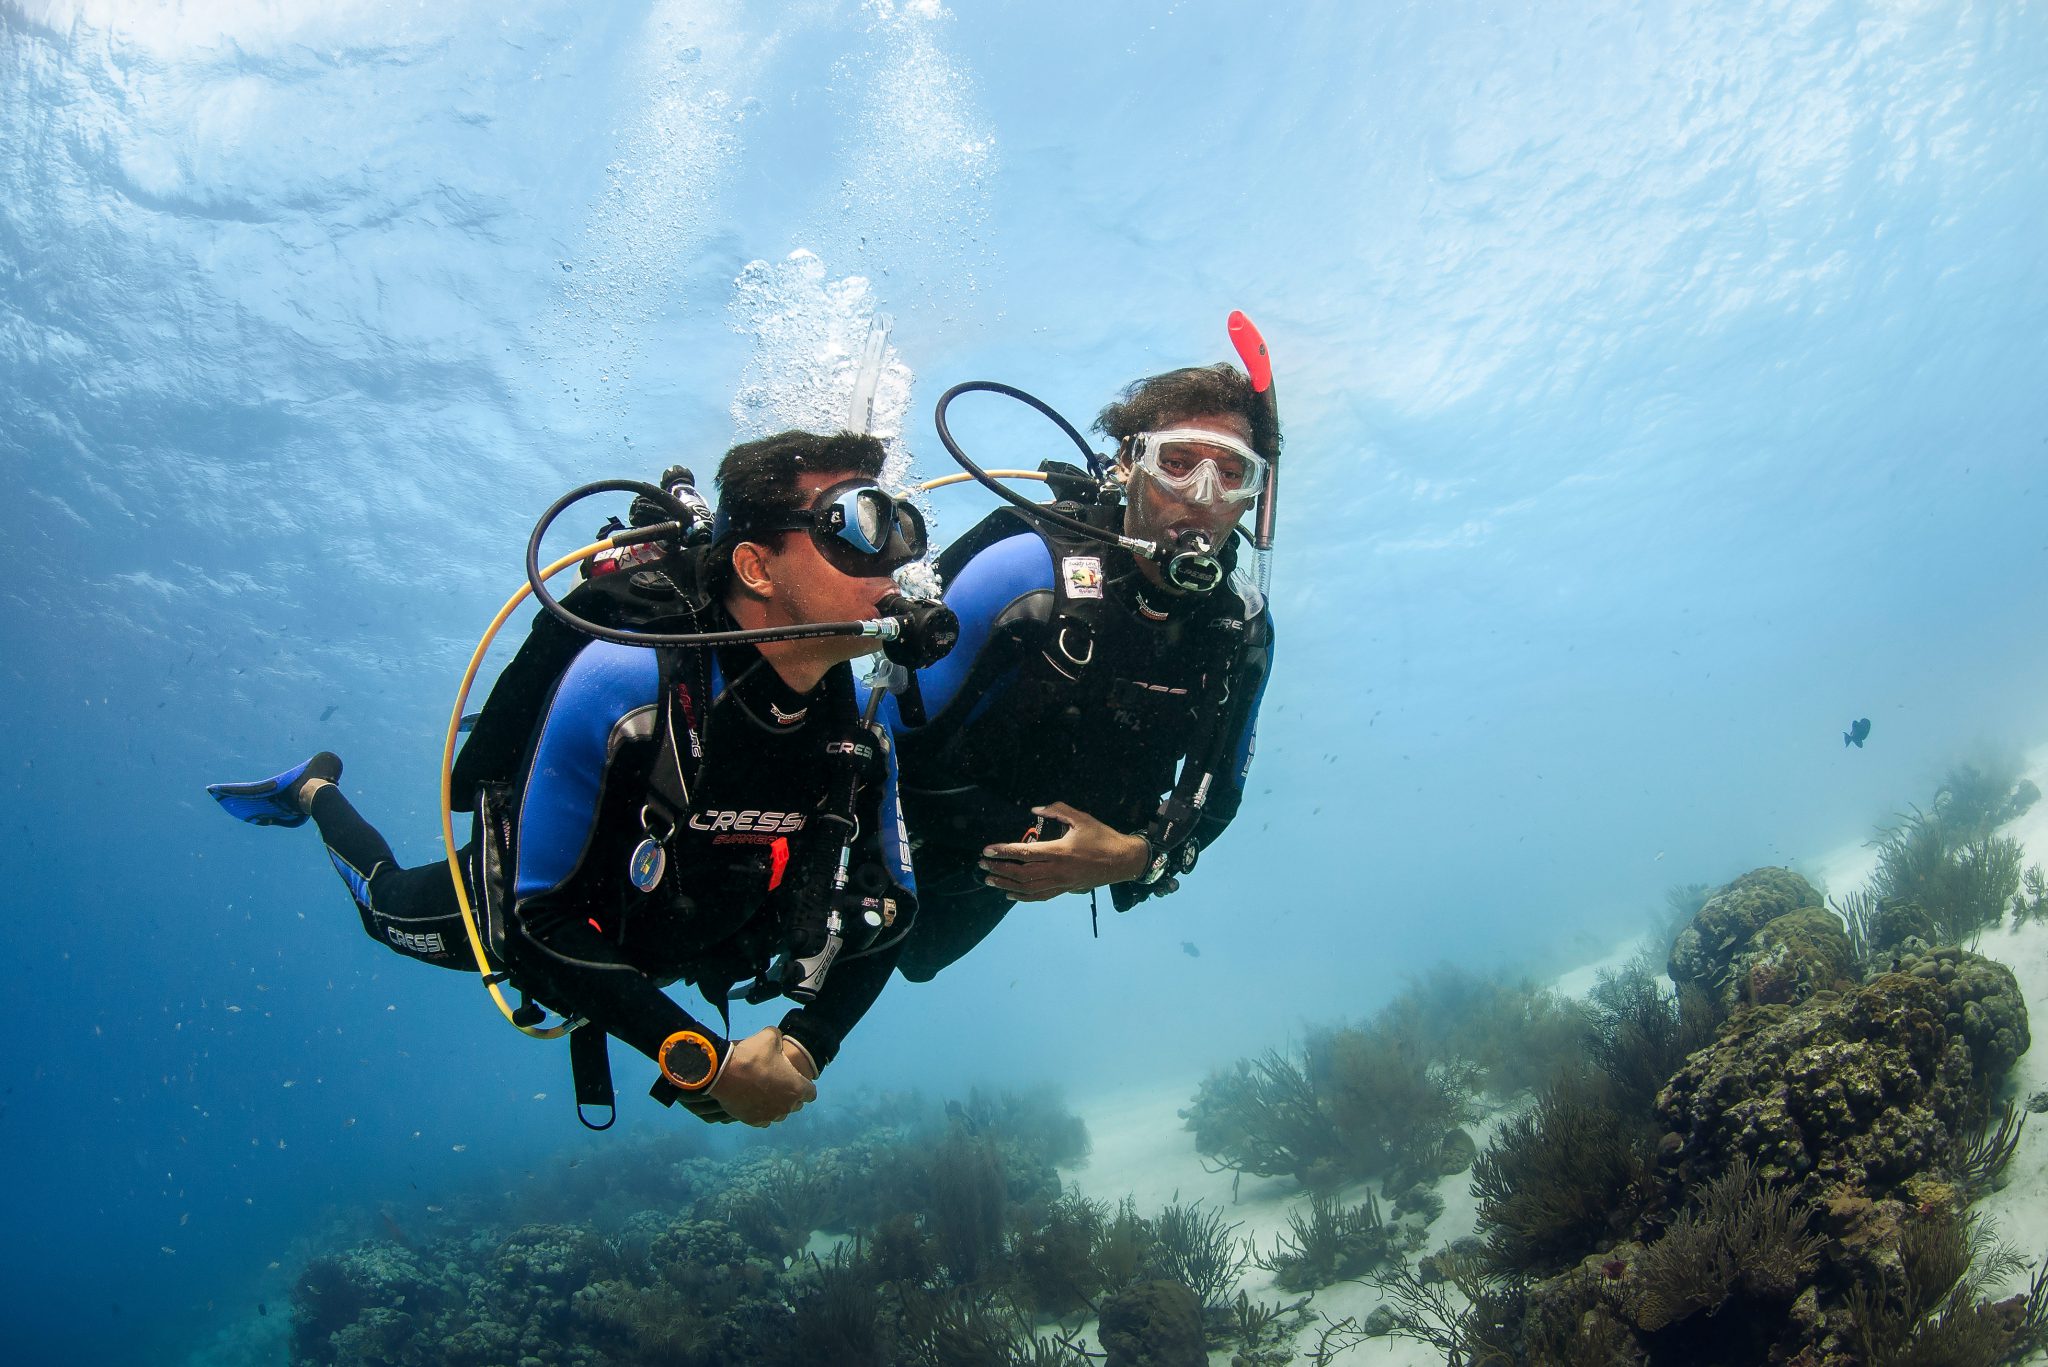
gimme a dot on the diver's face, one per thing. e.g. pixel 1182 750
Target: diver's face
pixel 1152 511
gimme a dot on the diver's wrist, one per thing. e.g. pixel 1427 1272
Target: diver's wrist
pixel 1146 863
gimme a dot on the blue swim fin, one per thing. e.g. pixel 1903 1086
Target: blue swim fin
pixel 268 802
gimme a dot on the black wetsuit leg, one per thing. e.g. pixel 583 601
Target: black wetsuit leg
pixel 955 912
pixel 409 911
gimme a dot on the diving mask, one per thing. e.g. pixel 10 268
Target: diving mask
pixel 859 529
pixel 1198 465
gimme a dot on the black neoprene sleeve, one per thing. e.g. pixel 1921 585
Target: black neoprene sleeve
pixel 822 1026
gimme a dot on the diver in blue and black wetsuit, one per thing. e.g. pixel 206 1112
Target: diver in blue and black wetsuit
pixel 1094 726
pixel 649 815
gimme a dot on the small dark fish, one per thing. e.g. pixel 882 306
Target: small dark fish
pixel 1858 732
pixel 1187 947
pixel 332 708
pixel 262 1309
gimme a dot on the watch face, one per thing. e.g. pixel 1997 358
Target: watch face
pixel 688 1059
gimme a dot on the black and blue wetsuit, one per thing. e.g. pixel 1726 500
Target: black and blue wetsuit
pixel 1075 680
pixel 751 768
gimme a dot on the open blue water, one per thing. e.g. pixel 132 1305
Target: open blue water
pixel 1662 392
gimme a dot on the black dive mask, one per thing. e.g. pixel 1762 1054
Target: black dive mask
pixel 859 529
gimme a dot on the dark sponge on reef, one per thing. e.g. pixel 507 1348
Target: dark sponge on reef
pixel 1154 1324
pixel 1866 1087
pixel 1704 952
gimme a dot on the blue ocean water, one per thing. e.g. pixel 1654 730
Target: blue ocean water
pixel 1663 391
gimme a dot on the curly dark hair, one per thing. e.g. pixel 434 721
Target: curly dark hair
pixel 1160 401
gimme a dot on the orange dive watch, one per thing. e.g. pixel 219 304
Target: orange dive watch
pixel 689 1060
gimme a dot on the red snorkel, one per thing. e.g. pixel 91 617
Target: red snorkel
pixel 1258 364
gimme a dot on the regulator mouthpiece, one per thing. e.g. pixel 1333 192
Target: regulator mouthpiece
pixel 1191 564
pixel 926 629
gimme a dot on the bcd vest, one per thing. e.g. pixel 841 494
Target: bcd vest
pixel 1096 700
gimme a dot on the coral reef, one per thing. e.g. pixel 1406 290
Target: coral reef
pixel 962 1250
pixel 1766 1165
pixel 1330 1243
pixel 1864 1088
pixel 1510 1034
pixel 1153 1324
pixel 1976 800
pixel 2030 903
pixel 1981 1004
pixel 1743 1239
pixel 1704 953
pixel 1925 1309
pixel 1390 1101
pixel 1642 1034
pixel 1568 1174
pixel 1195 1248
pixel 1958 877
pixel 1052 1259
pixel 714 1285
pixel 1789 959
pixel 1388 1098
pixel 1768 1159
pixel 1264 1117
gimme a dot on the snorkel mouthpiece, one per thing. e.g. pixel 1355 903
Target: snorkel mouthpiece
pixel 925 630
pixel 1191 564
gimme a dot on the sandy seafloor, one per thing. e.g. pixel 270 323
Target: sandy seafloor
pixel 1142 1150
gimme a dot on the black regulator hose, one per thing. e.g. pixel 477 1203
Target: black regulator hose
pixel 913 631
pixel 1036 510
pixel 1189 562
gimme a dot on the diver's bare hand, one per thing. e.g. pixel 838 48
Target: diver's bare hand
pixel 1089 855
pixel 760 1085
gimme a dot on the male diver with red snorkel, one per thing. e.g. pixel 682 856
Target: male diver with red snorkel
pixel 673 780
pixel 1095 724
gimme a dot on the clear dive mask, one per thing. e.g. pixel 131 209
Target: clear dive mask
pixel 1198 465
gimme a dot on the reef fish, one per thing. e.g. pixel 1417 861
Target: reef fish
pixel 1858 732
pixel 1187 947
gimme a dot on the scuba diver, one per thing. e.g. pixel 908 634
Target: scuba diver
pixel 711 809
pixel 1095 725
